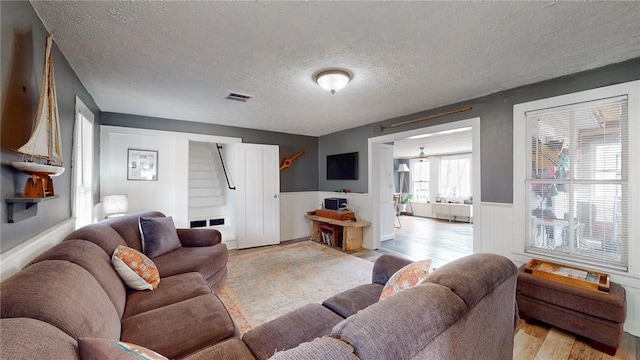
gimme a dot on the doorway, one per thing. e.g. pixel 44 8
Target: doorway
pixel 376 182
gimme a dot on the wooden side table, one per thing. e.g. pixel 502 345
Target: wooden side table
pixel 351 231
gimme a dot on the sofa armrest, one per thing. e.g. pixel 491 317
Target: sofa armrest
pixel 199 237
pixel 386 266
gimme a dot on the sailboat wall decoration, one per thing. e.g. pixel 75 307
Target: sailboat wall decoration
pixel 42 153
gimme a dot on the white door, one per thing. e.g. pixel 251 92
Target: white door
pixel 257 195
pixel 387 212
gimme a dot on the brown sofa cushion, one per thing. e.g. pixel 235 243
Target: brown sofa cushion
pixel 28 339
pixel 353 300
pixel 99 234
pixel 473 276
pixel 385 266
pixel 199 237
pixel 325 348
pixel 484 332
pixel 63 294
pixel 217 280
pixel 180 329
pixel 406 312
pixel 171 290
pixel 287 331
pixel 206 260
pixel 230 349
pixel 93 259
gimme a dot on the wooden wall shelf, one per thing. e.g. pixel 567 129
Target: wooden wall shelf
pixel 30 207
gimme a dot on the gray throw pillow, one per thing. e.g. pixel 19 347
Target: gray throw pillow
pixel 159 235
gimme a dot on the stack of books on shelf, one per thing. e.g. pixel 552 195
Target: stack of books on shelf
pixel 327 237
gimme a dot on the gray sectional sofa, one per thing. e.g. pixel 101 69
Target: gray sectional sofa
pixel 71 296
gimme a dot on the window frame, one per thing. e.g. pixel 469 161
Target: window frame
pixel 443 158
pixel 520 155
pixel 429 182
pixel 82 111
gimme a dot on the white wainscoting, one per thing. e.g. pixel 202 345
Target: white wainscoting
pixel 13 260
pixel 497 230
pixel 293 207
pixel 498 238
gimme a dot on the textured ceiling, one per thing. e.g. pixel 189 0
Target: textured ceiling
pixel 179 60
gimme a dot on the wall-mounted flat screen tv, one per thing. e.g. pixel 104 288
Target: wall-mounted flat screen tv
pixel 342 166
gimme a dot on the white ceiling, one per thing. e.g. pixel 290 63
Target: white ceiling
pixel 179 60
pixel 448 142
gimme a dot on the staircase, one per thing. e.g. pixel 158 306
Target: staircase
pixel 207 205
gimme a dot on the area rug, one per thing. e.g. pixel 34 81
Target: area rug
pixel 266 283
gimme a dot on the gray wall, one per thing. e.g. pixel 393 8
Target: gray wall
pixel 301 176
pixel 353 140
pixel 22 57
pixel 496 127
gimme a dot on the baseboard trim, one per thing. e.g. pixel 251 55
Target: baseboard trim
pixel 632 328
pixel 231 244
pixel 13 260
pixel 387 237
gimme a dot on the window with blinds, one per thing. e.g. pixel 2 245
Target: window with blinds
pixel 420 174
pixel 83 166
pixel 578 181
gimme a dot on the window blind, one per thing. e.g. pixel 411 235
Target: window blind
pixel 578 181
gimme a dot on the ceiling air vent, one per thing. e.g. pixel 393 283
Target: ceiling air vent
pixel 238 97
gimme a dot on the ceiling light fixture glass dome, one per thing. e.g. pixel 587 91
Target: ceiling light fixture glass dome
pixel 333 80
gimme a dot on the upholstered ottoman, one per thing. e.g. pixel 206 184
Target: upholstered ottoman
pixel 598 316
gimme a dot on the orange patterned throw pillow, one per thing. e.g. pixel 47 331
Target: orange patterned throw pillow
pixel 135 269
pixel 406 277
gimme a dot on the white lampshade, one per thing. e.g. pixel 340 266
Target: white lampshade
pixel 403 168
pixel 114 204
pixel 333 80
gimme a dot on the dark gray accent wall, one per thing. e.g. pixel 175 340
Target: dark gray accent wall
pixel 496 127
pixel 22 58
pixel 353 140
pixel 301 176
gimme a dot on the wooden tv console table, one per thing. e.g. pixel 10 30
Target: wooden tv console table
pixel 351 231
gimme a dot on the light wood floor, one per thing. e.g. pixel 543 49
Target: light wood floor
pixel 444 241
pixel 419 238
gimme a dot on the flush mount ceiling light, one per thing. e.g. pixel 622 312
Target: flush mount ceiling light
pixel 333 80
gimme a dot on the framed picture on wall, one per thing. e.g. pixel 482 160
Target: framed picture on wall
pixel 142 165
